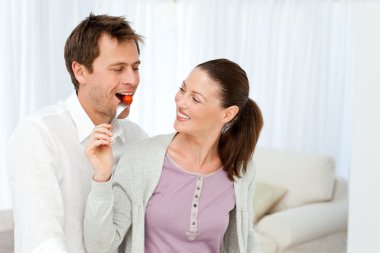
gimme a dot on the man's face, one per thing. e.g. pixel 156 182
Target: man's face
pixel 115 71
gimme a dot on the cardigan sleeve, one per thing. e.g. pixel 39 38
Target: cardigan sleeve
pixel 107 217
pixel 252 244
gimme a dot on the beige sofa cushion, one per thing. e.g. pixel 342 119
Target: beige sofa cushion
pixel 265 197
pixel 266 244
pixel 307 178
pixel 306 223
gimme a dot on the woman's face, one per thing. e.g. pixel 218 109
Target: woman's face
pixel 198 105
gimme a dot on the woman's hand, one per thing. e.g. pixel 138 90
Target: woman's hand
pixel 99 152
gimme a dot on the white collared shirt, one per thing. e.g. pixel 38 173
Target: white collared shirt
pixel 50 175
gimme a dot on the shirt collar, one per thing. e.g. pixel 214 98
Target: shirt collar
pixel 83 122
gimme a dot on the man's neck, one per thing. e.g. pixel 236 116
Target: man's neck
pixel 95 117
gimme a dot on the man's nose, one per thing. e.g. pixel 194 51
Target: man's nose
pixel 131 77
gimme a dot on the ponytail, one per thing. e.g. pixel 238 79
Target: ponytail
pixel 238 140
pixel 239 137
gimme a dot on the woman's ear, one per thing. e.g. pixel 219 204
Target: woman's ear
pixel 229 113
pixel 79 72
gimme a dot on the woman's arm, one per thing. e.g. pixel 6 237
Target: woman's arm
pixel 108 209
pixel 107 217
pixel 253 246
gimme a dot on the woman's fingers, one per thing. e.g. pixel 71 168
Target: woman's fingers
pixel 101 136
pixel 101 132
pixel 103 128
pixel 99 152
pixel 98 143
pixel 104 125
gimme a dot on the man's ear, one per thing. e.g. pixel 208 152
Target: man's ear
pixel 79 72
pixel 229 113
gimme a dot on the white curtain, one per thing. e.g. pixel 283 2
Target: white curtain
pixel 297 55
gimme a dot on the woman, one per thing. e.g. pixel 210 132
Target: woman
pixel 185 192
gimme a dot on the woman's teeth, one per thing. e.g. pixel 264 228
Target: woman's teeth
pixel 182 116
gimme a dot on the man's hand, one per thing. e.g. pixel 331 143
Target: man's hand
pixel 99 152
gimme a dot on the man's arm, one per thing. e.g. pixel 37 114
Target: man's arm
pixel 37 198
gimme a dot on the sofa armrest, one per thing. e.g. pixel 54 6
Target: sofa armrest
pixel 302 224
pixel 340 188
pixel 6 231
pixel 6 220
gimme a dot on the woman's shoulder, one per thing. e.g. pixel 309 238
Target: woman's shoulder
pixel 249 175
pixel 146 148
pixel 158 141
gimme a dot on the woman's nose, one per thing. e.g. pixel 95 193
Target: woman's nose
pixel 181 100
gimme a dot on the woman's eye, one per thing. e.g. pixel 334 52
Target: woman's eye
pixel 196 100
pixel 181 89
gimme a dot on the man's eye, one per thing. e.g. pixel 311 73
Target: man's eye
pixel 118 69
pixel 181 89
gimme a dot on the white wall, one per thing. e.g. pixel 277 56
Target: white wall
pixel 364 216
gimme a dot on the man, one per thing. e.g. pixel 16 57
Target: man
pixel 49 172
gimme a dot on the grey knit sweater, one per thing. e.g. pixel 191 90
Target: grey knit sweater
pixel 116 209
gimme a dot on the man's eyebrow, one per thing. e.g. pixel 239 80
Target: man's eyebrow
pixel 124 63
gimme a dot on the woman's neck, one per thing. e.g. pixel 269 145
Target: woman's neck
pixel 196 154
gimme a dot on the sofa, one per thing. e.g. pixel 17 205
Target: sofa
pixel 299 204
pixel 6 231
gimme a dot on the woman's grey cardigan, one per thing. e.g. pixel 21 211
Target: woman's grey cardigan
pixel 117 208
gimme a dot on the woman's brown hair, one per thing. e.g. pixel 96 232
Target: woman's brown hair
pixel 239 136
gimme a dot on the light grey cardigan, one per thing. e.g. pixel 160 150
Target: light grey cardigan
pixel 117 208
